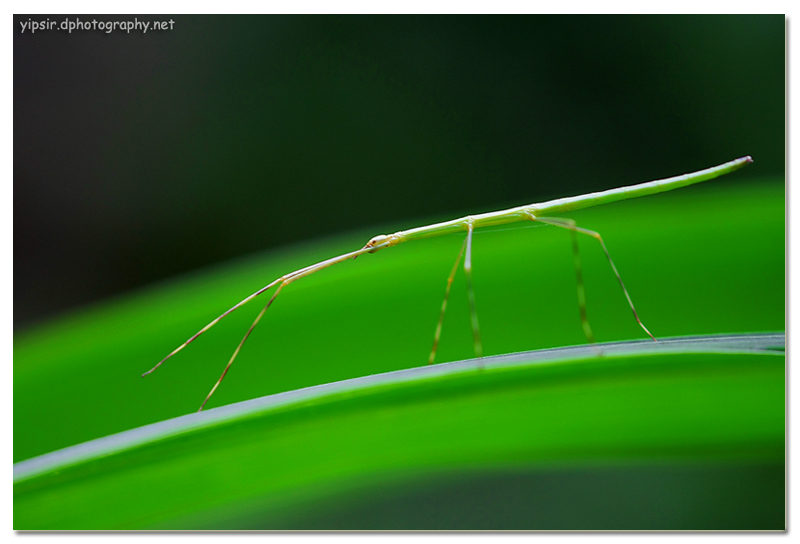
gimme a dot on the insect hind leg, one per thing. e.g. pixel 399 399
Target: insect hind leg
pixel 570 225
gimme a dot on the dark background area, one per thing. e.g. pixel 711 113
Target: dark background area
pixel 140 156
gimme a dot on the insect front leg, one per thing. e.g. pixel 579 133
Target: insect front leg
pixel 239 347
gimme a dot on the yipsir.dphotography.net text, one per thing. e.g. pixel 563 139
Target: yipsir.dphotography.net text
pixel 76 24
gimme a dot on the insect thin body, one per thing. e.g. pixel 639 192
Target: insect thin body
pixel 539 212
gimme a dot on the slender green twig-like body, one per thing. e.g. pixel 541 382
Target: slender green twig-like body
pixel 531 212
pixel 561 205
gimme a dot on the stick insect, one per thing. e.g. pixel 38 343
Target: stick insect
pixel 540 213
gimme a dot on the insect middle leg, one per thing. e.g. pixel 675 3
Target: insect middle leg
pixel 473 312
pixel 450 278
pixel 476 335
pixel 570 225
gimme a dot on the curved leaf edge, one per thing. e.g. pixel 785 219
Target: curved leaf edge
pixel 768 343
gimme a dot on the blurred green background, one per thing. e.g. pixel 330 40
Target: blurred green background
pixel 138 157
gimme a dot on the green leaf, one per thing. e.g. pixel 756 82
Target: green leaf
pixel 701 261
